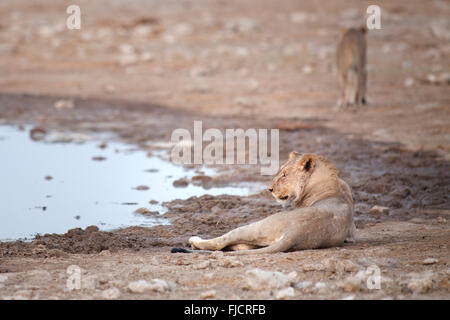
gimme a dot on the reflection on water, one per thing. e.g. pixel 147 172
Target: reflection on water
pixel 53 187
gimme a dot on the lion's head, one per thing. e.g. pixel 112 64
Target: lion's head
pixel 302 176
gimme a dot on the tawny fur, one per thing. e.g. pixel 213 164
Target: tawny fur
pixel 351 66
pixel 323 214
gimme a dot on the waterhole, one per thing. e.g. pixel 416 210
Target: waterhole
pixel 51 187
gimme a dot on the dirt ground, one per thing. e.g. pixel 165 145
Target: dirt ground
pixel 142 70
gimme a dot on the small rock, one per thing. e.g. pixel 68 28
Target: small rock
pixel 111 294
pixel 65 104
pixel 159 285
pixel 441 28
pixel 142 286
pixel 299 17
pixel 242 25
pixel 203 265
pixel 244 102
pixel 307 69
pixel 139 286
pixel 145 212
pixel 48 177
pixel 200 180
pixel 351 284
pixel 128 59
pixel 110 88
pixel 428 261
pixel 441 79
pixel 91 229
pixel 338 265
pixel 3 278
pixel 321 288
pixel 37 133
pixel 303 285
pixel 379 210
pixel 230 263
pixel 208 294
pixel 146 56
pixel 258 279
pixel 105 253
pixel 200 72
pixel 409 82
pixel 142 188
pixel 421 283
pixel 180 183
pixel 441 220
pixel 285 293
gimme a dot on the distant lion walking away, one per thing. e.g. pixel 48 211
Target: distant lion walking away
pixel 323 216
pixel 351 66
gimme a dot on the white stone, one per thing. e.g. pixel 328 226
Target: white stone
pixel 142 286
pixel 111 294
pixel 303 284
pixel 64 104
pixel 409 82
pixel 258 279
pixel 285 293
pixel 421 283
pixel 208 294
pixel 430 261
pixel 350 284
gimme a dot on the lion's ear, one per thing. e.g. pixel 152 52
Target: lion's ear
pixel 292 155
pixel 307 163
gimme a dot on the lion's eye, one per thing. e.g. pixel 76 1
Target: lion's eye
pixel 283 175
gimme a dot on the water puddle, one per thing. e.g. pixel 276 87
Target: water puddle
pixel 52 187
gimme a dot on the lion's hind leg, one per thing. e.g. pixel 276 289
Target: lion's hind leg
pixel 281 245
pixel 239 237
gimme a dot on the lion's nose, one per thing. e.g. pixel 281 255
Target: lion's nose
pixel 270 189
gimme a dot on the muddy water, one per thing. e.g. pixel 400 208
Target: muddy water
pixel 52 187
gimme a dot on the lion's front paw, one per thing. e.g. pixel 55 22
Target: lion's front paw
pixel 195 242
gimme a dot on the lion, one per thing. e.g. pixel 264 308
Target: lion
pixel 322 218
pixel 351 67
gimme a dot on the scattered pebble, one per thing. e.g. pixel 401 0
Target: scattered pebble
pixel 421 283
pixel 142 286
pixel 142 188
pixel 409 82
pixel 180 183
pixel 37 133
pixel 208 294
pixel 203 265
pixel 350 284
pixel 144 211
pixel 257 279
pixel 99 158
pixel 285 293
pixel 303 284
pixel 428 261
pixel 65 104
pixel 111 294
pixel 379 210
pixel 321 288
